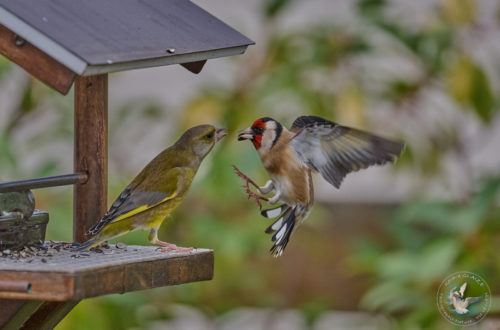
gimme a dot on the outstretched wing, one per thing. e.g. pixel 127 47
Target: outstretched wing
pixel 334 150
pixel 136 198
pixel 462 289
pixel 472 300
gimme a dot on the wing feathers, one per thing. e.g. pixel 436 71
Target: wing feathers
pixel 334 150
pixel 136 198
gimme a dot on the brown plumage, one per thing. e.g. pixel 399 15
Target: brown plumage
pixel 289 157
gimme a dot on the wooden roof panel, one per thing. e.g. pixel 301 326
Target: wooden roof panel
pixel 105 33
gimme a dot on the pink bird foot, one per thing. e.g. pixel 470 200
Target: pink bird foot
pixel 172 247
pixel 249 192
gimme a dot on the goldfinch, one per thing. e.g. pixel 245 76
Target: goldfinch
pixel 289 157
pixel 157 190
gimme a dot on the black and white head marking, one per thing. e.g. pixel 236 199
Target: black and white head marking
pixel 271 134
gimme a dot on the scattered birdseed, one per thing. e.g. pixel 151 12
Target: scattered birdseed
pixel 121 245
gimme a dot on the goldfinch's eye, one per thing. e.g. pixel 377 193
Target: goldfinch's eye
pixel 209 135
pixel 258 130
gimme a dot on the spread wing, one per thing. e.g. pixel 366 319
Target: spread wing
pixel 334 150
pixel 462 289
pixel 136 198
pixel 472 300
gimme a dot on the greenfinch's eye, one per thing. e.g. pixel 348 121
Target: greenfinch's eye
pixel 209 135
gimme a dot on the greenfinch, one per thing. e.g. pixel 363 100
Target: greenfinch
pixel 157 190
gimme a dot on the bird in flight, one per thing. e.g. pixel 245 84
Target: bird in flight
pixel 312 144
pixel 459 302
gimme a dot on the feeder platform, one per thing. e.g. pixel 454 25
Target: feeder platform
pixel 69 275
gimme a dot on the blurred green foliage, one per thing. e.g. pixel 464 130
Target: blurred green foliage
pixel 430 240
pixel 323 69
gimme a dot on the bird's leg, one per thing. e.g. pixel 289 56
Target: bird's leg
pixel 267 188
pixel 245 178
pixel 153 239
pixel 250 193
pixel 275 198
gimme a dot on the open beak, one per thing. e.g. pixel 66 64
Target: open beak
pixel 219 133
pixel 246 134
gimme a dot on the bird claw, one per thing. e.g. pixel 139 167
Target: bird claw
pixel 249 192
pixel 167 247
pixel 177 249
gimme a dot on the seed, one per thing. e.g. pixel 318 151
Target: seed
pixel 121 245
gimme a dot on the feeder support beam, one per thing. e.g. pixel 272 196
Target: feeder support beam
pixel 91 152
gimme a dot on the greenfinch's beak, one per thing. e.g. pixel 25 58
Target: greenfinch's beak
pixel 219 133
pixel 246 134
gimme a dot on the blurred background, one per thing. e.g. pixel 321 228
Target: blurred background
pixel 372 254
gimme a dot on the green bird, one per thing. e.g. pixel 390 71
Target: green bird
pixel 157 190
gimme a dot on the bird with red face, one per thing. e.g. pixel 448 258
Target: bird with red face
pixel 312 144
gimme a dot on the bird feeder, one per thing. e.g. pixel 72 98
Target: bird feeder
pixel 66 42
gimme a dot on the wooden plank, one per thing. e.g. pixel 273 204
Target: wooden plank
pixel 48 286
pixel 63 277
pixel 18 312
pixel 145 275
pixel 36 62
pixel 9 308
pixel 48 315
pixel 91 153
pixel 194 67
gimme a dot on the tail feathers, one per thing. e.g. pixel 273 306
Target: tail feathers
pixel 282 228
pixel 282 236
pixel 85 245
pixel 274 212
pixel 286 210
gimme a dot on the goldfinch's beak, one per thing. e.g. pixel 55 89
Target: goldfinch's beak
pixel 219 133
pixel 246 134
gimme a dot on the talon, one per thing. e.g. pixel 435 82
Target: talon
pixel 247 189
pixel 166 247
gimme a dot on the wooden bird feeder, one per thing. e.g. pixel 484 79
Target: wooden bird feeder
pixel 62 42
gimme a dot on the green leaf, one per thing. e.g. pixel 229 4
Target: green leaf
pixel 389 297
pixel 482 97
pixel 371 8
pixel 7 157
pixel 274 7
pixel 4 65
pixel 436 260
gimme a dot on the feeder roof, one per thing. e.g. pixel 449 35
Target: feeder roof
pixel 98 36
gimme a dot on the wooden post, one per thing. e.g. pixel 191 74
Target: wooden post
pixel 48 315
pixel 89 197
pixel 91 152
